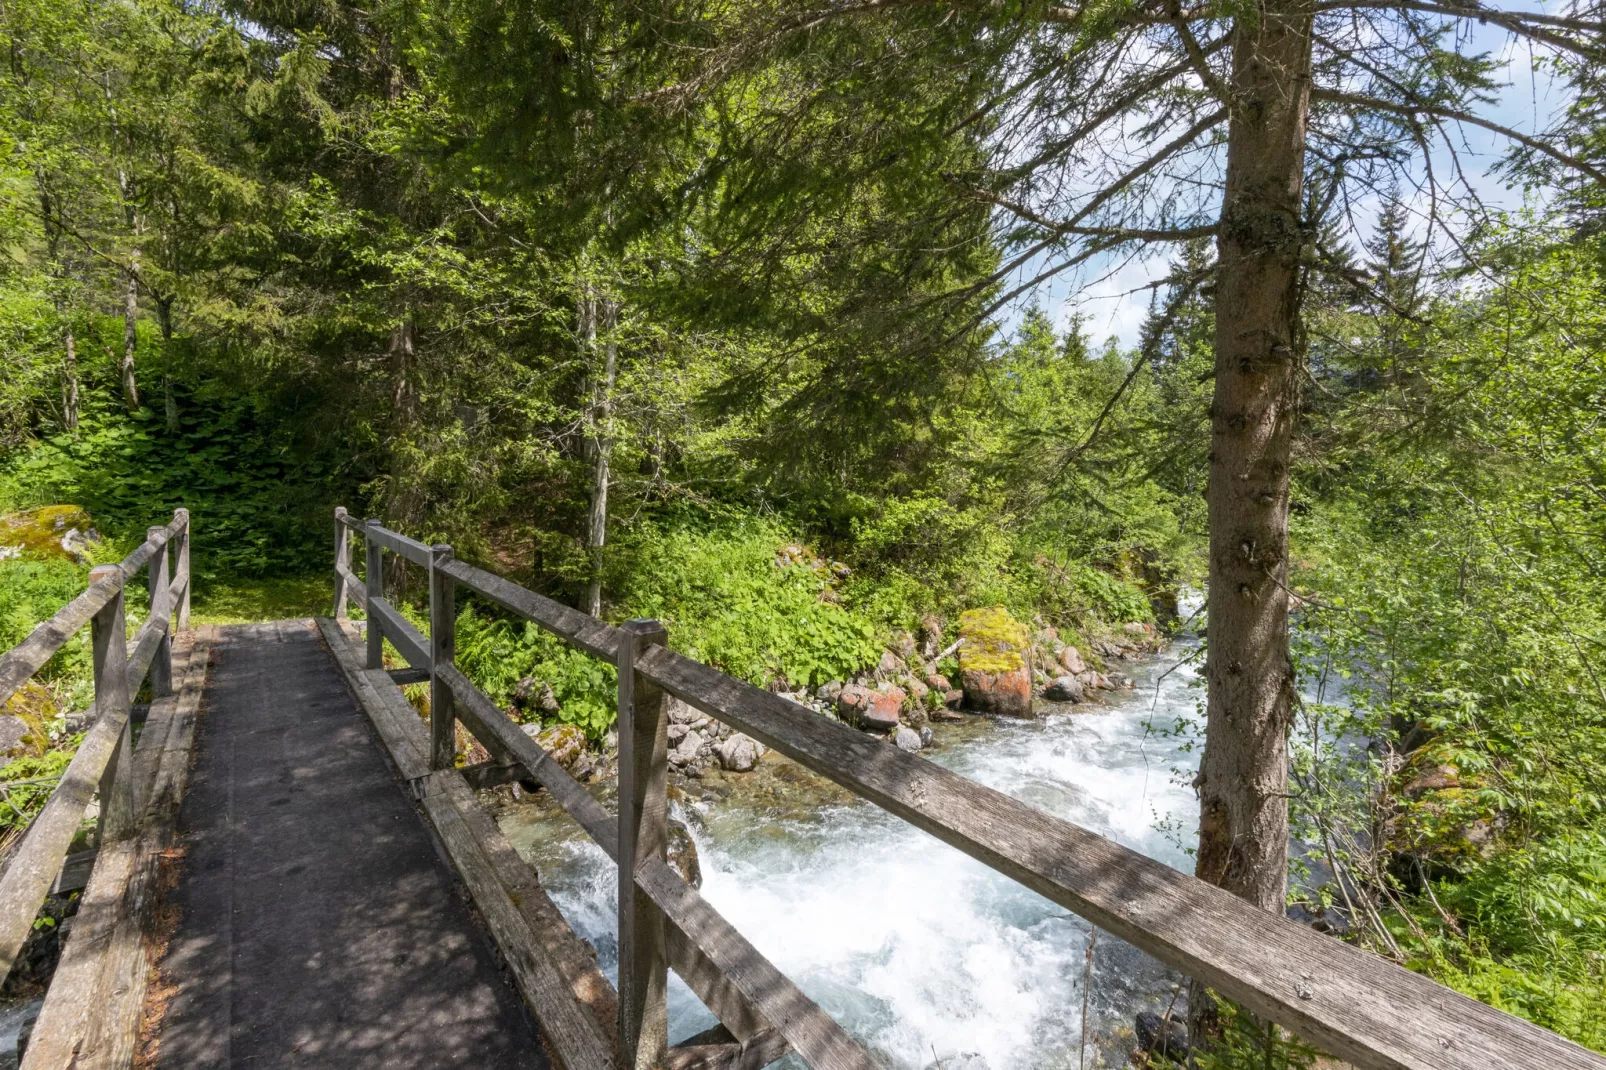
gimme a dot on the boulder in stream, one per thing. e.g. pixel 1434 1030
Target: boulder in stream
pixel 683 853
pixel 1070 660
pixel 739 753
pixel 1162 1036
pixel 871 709
pixel 1064 689
pixel 686 752
pixel 993 670
pixel 907 739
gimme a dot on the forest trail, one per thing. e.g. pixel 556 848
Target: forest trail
pixel 318 923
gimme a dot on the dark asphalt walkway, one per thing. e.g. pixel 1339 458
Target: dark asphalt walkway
pixel 319 927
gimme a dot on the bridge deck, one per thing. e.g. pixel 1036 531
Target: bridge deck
pixel 318 924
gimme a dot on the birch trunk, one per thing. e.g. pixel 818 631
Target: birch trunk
pixel 69 382
pixel 1243 775
pixel 164 313
pixel 601 436
pixel 131 335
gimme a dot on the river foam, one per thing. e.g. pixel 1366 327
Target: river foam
pixel 925 955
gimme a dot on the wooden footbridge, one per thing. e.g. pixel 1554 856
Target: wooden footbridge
pixel 292 868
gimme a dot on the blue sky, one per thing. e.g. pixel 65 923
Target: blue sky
pixel 1110 295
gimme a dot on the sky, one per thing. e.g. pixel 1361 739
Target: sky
pixel 1112 295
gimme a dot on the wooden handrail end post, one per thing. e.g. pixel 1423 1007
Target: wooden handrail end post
pixel 109 642
pixel 375 587
pixel 181 568
pixel 442 650
pixel 157 574
pixel 342 559
pixel 643 728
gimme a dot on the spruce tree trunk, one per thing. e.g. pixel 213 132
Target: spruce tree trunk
pixel 601 436
pixel 164 313
pixel 1243 775
pixel 69 382
pixel 130 335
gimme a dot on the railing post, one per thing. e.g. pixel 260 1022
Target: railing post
pixel 643 834
pixel 342 560
pixel 181 568
pixel 375 584
pixel 109 641
pixel 442 648
pixel 156 573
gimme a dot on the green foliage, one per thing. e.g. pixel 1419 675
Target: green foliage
pixel 497 653
pixel 258 501
pixel 725 601
pixel 19 803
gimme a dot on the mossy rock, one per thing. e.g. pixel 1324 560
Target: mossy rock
pixel 992 641
pixel 49 533
pixel 25 721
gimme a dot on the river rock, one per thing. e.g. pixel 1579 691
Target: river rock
pixel 1122 680
pixel 1162 1036
pixel 907 739
pixel 739 753
pixel 1071 661
pixel 686 752
pixel 677 732
pixel 681 712
pixel 564 743
pixel 953 698
pixel 903 645
pixel 938 683
pixel 930 635
pixel 535 695
pixel 925 737
pixel 1064 689
pixel 993 670
pixel 829 691
pixel 1136 628
pixel 890 664
pixel 871 709
pixel 683 854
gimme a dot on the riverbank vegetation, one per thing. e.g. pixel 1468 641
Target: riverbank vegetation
pixel 719 322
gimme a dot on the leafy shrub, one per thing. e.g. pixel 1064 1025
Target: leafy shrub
pixel 497 653
pixel 727 602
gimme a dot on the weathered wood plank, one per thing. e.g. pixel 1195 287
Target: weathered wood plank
pixel 732 1055
pixel 74 873
pixel 155 539
pixel 403 677
pixel 91 1016
pixel 556 971
pixel 811 1032
pixel 483 775
pixel 1354 1005
pixel 343 585
pixel 374 587
pixel 147 646
pixel 442 648
pixel 161 665
pixel 487 722
pixel 396 543
pixel 643 725
pixel 408 641
pixel 717 1049
pixel 575 1037
pixel 585 632
pixel 354 587
pixel 30 655
pixel 113 700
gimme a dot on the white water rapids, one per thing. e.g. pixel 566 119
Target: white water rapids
pixel 928 957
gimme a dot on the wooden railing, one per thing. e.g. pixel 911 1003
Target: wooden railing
pixel 103 764
pixel 1348 1002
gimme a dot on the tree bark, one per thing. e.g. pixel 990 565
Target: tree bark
pixel 164 315
pixel 131 335
pixel 69 382
pixel 604 312
pixel 1243 775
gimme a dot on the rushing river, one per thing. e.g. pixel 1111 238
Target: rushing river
pixel 926 956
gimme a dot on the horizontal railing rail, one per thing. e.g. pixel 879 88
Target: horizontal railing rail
pixel 1352 1004
pixel 103 763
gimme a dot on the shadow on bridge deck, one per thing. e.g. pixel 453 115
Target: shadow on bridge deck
pixel 317 923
